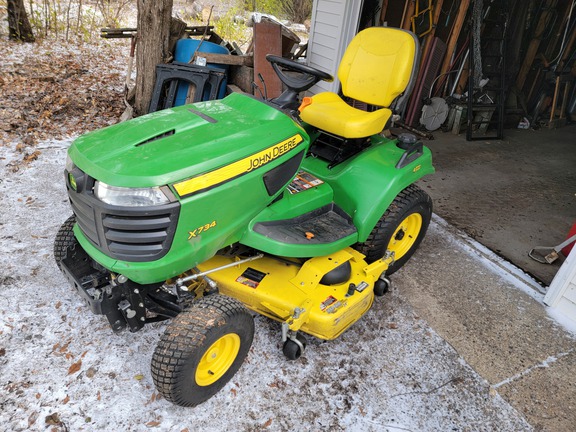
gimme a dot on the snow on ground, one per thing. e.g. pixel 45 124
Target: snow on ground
pixel 62 368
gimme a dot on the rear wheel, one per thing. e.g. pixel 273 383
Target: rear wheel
pixel 202 348
pixel 64 239
pixel 400 229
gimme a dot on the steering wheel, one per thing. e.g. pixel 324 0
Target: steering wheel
pixel 308 75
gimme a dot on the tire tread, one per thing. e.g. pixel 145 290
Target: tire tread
pixel 377 240
pixel 185 333
pixel 64 238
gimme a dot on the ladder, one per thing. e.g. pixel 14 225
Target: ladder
pixel 487 70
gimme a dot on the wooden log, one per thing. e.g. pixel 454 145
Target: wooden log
pixel 241 76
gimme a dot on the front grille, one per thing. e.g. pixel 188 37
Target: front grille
pixel 136 234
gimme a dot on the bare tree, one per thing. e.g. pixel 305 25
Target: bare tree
pixel 152 47
pixel 297 10
pixel 19 27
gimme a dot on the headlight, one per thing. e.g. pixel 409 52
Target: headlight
pixel 132 197
pixel 69 164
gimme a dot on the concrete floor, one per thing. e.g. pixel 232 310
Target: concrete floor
pixel 509 195
pixel 497 323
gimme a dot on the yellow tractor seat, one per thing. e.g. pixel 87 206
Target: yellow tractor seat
pixel 327 111
pixel 377 67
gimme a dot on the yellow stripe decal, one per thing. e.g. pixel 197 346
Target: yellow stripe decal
pixel 243 166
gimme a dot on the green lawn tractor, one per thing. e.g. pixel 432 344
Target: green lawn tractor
pixel 295 210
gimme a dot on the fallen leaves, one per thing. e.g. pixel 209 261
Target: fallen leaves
pixel 53 419
pixel 30 157
pixel 152 399
pixel 52 96
pixel 61 349
pixel 75 367
pixel 32 418
pixel 17 387
pixel 278 383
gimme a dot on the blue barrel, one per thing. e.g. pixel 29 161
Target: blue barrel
pixel 184 51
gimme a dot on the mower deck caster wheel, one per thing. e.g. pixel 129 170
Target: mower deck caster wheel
pixel 382 286
pixel 293 348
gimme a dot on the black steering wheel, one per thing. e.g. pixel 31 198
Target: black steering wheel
pixel 307 78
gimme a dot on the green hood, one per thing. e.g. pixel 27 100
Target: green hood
pixel 170 145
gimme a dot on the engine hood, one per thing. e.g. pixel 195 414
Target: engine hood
pixel 177 143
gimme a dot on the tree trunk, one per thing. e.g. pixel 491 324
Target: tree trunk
pixel 152 47
pixel 19 27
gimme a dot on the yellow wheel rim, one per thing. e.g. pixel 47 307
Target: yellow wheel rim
pixel 217 359
pixel 405 235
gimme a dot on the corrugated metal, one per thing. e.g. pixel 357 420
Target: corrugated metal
pixel 334 24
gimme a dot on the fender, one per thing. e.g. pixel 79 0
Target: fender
pixel 365 186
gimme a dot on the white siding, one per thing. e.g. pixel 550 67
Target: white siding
pixel 334 24
pixel 562 291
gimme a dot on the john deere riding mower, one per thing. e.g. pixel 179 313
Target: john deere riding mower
pixel 294 210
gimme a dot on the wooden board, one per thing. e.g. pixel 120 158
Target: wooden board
pixel 455 34
pixel 227 59
pixel 267 40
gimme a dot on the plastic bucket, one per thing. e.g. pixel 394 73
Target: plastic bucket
pixel 184 51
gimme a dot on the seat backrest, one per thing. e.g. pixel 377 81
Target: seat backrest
pixel 378 65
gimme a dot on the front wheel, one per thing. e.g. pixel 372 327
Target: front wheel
pixel 202 348
pixel 64 239
pixel 401 228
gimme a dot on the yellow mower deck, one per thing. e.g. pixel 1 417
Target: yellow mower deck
pixel 290 292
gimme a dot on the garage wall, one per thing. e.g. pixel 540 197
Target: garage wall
pixel 334 24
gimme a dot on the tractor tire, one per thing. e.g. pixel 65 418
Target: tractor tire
pixel 201 350
pixel 64 239
pixel 401 228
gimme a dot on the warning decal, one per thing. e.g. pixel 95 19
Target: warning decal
pixel 326 303
pixel 303 181
pixel 251 277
